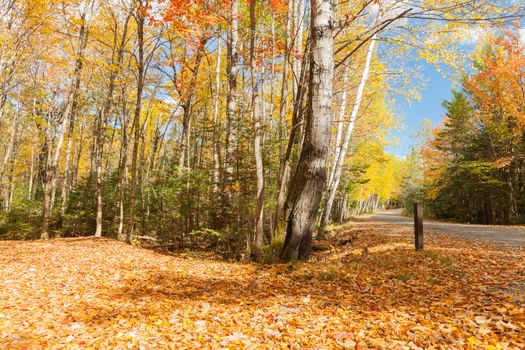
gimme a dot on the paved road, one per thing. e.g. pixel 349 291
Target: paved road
pixel 500 234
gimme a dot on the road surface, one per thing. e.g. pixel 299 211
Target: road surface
pixel 512 235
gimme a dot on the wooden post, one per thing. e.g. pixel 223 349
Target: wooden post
pixel 418 225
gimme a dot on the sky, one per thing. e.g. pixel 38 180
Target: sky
pixel 412 115
pixel 438 88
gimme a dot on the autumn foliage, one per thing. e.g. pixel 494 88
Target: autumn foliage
pixel 475 160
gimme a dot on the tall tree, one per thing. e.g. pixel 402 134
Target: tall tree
pixel 100 128
pixel 310 175
pixel 69 110
pixel 335 175
pixel 139 15
pixel 231 99
pixel 257 129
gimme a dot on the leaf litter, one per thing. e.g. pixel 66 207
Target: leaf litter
pixel 103 294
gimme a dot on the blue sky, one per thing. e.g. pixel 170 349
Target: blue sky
pixel 414 113
pixel 438 88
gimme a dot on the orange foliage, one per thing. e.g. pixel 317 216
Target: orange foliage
pixel 280 6
pixel 195 17
pixel 103 294
pixel 500 82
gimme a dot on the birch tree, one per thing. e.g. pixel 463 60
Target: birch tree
pixel 335 177
pixel 231 99
pixel 257 144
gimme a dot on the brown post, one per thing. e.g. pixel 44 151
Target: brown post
pixel 418 225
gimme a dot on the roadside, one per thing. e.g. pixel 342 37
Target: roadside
pixel 508 235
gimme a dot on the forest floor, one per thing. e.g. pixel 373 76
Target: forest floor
pixel 103 294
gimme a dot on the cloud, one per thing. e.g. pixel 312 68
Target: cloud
pixel 472 35
pixel 389 9
pixel 522 35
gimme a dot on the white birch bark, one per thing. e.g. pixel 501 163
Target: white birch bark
pixel 338 166
pixel 340 125
pixel 7 153
pixel 31 174
pixel 257 144
pixel 52 167
pixel 231 103
pixel 216 110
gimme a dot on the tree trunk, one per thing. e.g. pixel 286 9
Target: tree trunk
pixel 338 164
pixel 139 17
pixel 300 7
pixel 31 174
pixel 294 138
pixel 67 171
pixel 123 160
pixel 284 84
pixel 71 103
pixel 101 128
pixel 47 193
pixel 257 149
pixel 216 110
pixel 10 181
pixel 7 153
pixel 231 99
pixel 311 171
pixel 187 106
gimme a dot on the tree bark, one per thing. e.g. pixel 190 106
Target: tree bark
pixel 71 102
pixel 66 179
pixel 187 106
pixel 294 138
pixel 216 110
pixel 101 128
pixel 31 174
pixel 136 127
pixel 123 161
pixel 300 6
pixel 231 99
pixel 257 148
pixel 311 171
pixel 338 165
pixel 284 84
pixel 7 153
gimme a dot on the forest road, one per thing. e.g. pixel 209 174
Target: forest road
pixel 507 235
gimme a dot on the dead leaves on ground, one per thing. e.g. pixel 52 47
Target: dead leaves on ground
pixel 102 294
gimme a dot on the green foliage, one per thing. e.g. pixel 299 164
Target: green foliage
pixel 473 163
pixel 22 221
pixel 412 190
pixel 206 238
pixel 272 250
pixel 207 233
